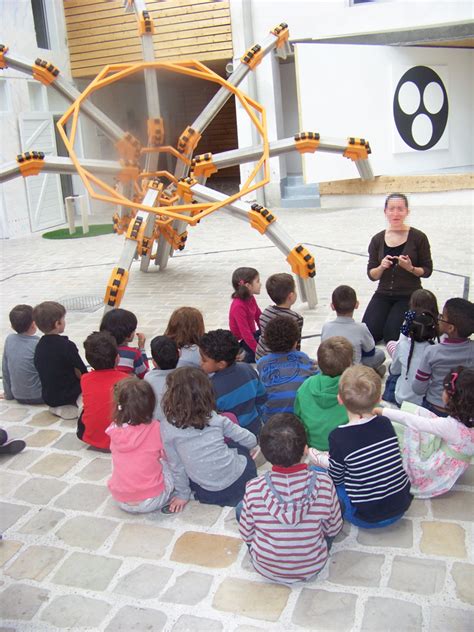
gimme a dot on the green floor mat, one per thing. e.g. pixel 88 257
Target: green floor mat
pixel 94 230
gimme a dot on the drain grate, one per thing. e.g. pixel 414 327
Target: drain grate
pixel 88 303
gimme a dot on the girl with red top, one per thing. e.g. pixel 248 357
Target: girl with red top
pixel 141 481
pixel 244 313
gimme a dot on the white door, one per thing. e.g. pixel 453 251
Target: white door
pixel 45 200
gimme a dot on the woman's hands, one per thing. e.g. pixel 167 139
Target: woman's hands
pixel 387 262
pixel 404 262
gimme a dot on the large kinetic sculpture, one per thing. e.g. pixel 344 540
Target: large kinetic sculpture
pixel 156 206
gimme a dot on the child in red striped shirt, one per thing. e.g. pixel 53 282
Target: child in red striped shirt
pixel 290 515
pixel 122 324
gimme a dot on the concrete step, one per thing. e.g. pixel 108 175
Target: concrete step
pixel 296 194
pixel 312 201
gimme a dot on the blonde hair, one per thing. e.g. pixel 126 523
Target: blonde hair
pixel 360 389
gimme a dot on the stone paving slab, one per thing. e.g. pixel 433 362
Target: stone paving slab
pixel 71 559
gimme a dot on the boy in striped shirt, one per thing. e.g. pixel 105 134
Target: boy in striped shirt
pixel 364 460
pixel 290 515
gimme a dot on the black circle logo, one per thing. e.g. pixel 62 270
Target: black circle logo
pixel 420 108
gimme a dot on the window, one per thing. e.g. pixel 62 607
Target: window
pixel 37 94
pixel 41 23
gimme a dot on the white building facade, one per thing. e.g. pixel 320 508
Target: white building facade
pixel 413 103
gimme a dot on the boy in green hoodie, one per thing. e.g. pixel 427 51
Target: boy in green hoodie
pixel 316 400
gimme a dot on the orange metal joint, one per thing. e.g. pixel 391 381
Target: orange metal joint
pixel 3 51
pixel 116 287
pixel 30 163
pixel 282 33
pixel 136 229
pixel 176 240
pixel 302 262
pixel 184 189
pixel 253 56
pixel 145 24
pixel 307 142
pixel 129 148
pixel 44 72
pixel 188 140
pixel 156 132
pixel 357 149
pixel 203 166
pixel 121 223
pixel 260 218
pixel 130 171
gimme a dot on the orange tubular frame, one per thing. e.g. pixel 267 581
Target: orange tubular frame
pixel 115 72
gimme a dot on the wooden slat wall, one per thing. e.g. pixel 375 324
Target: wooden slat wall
pixel 100 32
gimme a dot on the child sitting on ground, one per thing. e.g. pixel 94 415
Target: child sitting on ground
pixel 185 327
pixel 97 389
pixel 284 369
pixel 194 437
pixel 281 289
pixel 20 377
pixel 122 324
pixel 57 361
pixel 316 401
pixel 289 515
pixel 237 387
pixel 407 351
pixel 244 312
pixel 419 332
pixel 364 458
pixel 435 461
pixel 165 354
pixel 457 323
pixel 141 481
pixel 344 302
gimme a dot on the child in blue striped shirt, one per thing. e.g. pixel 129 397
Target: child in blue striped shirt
pixel 284 369
pixel 237 387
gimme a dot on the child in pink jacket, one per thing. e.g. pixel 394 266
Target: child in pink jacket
pixel 141 481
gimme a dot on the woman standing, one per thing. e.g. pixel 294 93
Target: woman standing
pixel 398 257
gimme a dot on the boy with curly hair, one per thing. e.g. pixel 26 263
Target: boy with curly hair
pixel 236 384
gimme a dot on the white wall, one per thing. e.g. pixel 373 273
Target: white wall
pixel 328 105
pixel 18 33
pixel 348 91
pixel 332 18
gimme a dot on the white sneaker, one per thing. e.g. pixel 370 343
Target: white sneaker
pixel 65 412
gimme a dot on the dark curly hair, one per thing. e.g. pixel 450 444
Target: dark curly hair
pixel 281 334
pixel 459 385
pixel 101 350
pixel 283 440
pixel 220 344
pixel 120 323
pixel 134 402
pixel 189 398
pixel 240 277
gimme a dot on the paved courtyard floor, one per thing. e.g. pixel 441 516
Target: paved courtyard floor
pixel 72 560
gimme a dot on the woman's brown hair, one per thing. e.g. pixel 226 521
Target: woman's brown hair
pixel 134 402
pixel 189 398
pixel 185 326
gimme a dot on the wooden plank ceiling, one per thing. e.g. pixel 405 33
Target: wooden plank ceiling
pixel 100 32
